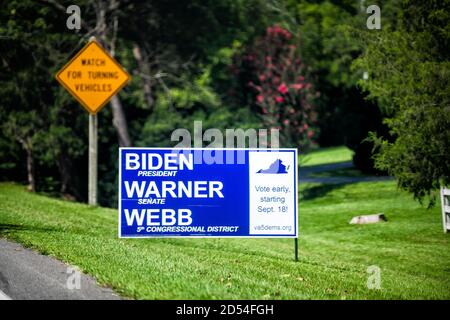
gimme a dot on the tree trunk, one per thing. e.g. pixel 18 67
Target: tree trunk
pixel 120 122
pixel 30 170
pixel 26 143
pixel 119 119
pixel 144 70
pixel 68 179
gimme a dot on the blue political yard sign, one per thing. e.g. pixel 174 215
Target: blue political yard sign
pixel 207 192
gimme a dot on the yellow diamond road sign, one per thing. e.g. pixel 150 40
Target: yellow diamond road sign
pixel 93 77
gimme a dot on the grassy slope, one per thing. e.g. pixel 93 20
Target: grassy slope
pixel 326 156
pixel 410 249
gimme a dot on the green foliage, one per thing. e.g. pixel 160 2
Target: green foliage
pixel 34 114
pixel 183 41
pixel 179 107
pixel 409 75
pixel 328 50
pixel 325 44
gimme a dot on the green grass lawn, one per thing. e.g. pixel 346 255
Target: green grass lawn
pixel 326 156
pixel 411 249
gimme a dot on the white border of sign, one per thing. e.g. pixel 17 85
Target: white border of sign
pixel 119 225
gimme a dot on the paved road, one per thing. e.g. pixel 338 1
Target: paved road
pixel 305 174
pixel 325 167
pixel 27 275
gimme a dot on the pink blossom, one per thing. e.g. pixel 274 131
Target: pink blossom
pixel 279 99
pixel 296 86
pixel 276 29
pixel 286 122
pixel 282 88
pixel 259 98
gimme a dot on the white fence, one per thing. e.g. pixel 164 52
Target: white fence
pixel 445 203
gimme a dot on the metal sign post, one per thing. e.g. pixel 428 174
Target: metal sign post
pixel 296 249
pixel 93 159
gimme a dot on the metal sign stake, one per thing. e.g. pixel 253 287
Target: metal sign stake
pixel 296 249
pixel 93 154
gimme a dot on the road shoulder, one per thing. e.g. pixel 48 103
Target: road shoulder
pixel 28 275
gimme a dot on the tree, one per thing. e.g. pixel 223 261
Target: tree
pixel 168 47
pixel 23 128
pixel 409 73
pixel 273 73
pixel 32 112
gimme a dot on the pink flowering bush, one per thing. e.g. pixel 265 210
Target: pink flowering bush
pixel 273 75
